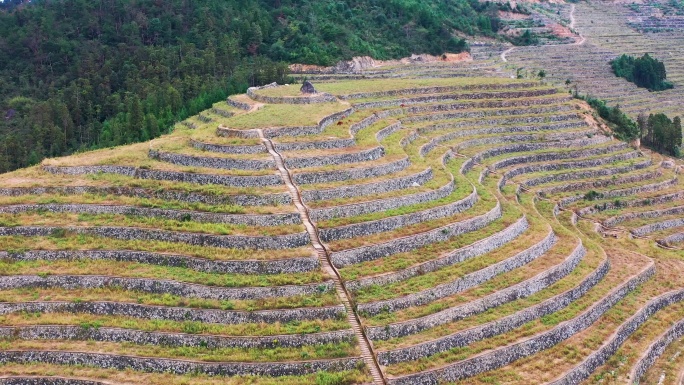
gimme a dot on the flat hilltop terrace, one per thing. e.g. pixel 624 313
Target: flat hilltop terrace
pixel 417 224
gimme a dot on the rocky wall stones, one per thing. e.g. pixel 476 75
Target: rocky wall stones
pixel 477 113
pixel 395 222
pixel 321 97
pixel 166 194
pixel 463 283
pixel 176 313
pixel 433 90
pixel 179 215
pixel 229 149
pixel 381 204
pixel 336 159
pixel 658 226
pixel 132 233
pixel 511 293
pixel 538 158
pixel 163 365
pixel 655 350
pixel 276 266
pixel 238 104
pixel 118 335
pixel 578 186
pixel 317 145
pixel 429 146
pixel 212 162
pixel 496 327
pixel 387 131
pixel 672 239
pixel 574 175
pixel 625 330
pixel 52 380
pixel 351 173
pixel 274 132
pixel 478 248
pixel 161 286
pixel 646 214
pixel 173 176
pixel 394 184
pixel 408 243
pixel 505 355
pixel 511 95
pixel 526 147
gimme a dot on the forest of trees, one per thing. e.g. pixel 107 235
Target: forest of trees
pixel 661 133
pixel 645 72
pixel 83 74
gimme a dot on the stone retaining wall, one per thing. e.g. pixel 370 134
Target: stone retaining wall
pixel 469 105
pixel 274 132
pixel 394 184
pixel 435 90
pixel 570 118
pixel 395 222
pixel 507 129
pixel 648 188
pixel 163 365
pixel 625 330
pixel 672 239
pixel 178 215
pixel 496 327
pixel 336 159
pixel 180 314
pixel 547 138
pixel 321 97
pixel 610 222
pixel 654 351
pixel 318 145
pixel 532 168
pixel 499 357
pixel 601 183
pixel 370 120
pixel 408 243
pixel 431 116
pixel 387 131
pixel 461 284
pixel 658 226
pixel 277 266
pixel 555 156
pixel 351 173
pixel 52 380
pixel 574 175
pixel 132 233
pixel 212 162
pixel 173 176
pixel 511 293
pixel 381 204
pixel 238 104
pixel 161 286
pixel 620 204
pixel 118 335
pixel 228 149
pixel 429 146
pixel 478 248
pixel 526 147
pixel 166 194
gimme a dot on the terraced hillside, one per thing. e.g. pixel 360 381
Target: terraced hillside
pixel 426 224
pixel 604 31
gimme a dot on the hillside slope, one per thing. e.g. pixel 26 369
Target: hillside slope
pixel 79 74
pixel 434 223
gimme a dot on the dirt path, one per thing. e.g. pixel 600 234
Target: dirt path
pixel 506 52
pixel 572 25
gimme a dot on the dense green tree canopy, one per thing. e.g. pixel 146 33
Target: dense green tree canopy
pixel 80 74
pixel 645 71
